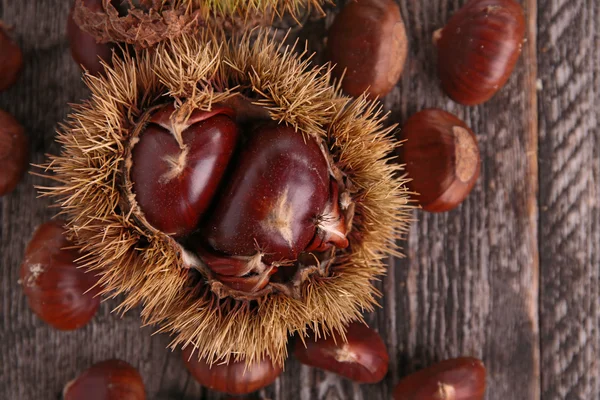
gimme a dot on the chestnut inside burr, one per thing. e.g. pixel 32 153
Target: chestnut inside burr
pixel 255 205
pixel 442 158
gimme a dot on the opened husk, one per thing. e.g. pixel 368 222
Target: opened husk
pixel 150 268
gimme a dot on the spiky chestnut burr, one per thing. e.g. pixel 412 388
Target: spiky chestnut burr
pixel 246 312
pixel 147 22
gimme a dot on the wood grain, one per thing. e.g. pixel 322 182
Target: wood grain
pixel 470 282
pixel 569 45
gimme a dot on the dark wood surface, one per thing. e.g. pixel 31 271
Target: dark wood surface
pixel 511 276
pixel 569 201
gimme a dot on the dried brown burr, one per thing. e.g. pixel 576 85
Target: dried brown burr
pixel 234 175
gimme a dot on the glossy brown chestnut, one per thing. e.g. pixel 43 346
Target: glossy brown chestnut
pixel 368 41
pixel 106 380
pixel 455 379
pixel 271 204
pixel 86 51
pixel 175 178
pixel 14 152
pixel 364 358
pixel 479 48
pixel 59 292
pixel 11 60
pixel 249 284
pixel 441 157
pixel 233 378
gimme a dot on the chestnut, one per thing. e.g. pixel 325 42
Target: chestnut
pixel 14 152
pixel 274 197
pixel 106 380
pixel 234 377
pixel 455 379
pixel 243 216
pixel 479 48
pixel 367 44
pixel 249 284
pixel 362 358
pixel 332 230
pixel 59 292
pixel 441 157
pixel 11 60
pixel 176 168
pixel 86 51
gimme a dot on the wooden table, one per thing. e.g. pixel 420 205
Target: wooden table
pixel 511 276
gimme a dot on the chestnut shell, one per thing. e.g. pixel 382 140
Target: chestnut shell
pixel 156 277
pixel 368 41
pixel 363 358
pixel 14 152
pixel 233 378
pixel 457 379
pixel 106 380
pixel 278 189
pixel 442 159
pixel 58 292
pixel 85 50
pixel 479 48
pixel 11 61
pixel 173 200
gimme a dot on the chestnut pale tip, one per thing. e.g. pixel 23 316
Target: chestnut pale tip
pixel 467 154
pixel 437 35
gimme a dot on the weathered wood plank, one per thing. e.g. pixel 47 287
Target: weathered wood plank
pixel 470 283
pixel 569 44
pixel 468 286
